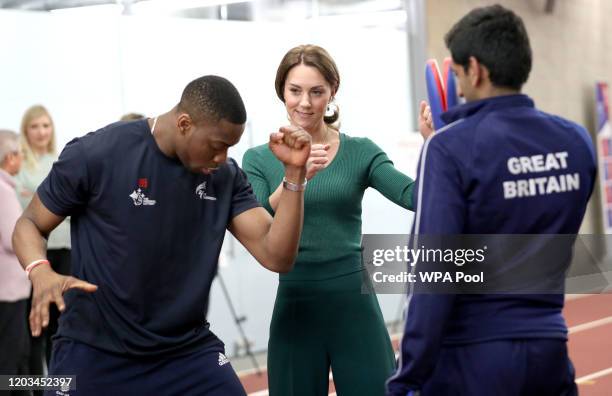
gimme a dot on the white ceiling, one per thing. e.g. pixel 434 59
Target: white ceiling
pixel 227 9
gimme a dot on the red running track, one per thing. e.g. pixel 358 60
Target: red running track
pixel 589 318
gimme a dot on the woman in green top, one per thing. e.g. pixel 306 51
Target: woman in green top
pixel 38 143
pixel 321 318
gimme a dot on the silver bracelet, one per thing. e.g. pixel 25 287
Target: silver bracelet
pixel 293 186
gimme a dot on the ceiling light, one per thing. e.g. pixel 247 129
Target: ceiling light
pixel 169 6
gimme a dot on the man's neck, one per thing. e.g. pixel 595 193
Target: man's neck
pixel 164 133
pixel 493 91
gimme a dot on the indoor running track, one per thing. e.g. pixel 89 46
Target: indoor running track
pixel 589 318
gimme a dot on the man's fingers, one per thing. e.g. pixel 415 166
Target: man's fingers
pixel 289 137
pixel 288 129
pixel 424 111
pixel 74 283
pixel 59 300
pixel 422 107
pixel 299 134
pixel 301 140
pixel 38 315
pixel 295 136
pixel 44 312
pixel 34 322
pixel 426 117
pixel 290 134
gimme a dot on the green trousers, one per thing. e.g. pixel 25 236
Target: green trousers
pixel 318 325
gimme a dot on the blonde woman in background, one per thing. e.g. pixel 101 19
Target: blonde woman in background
pixel 38 144
pixel 131 117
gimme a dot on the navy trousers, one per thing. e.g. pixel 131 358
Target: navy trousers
pixel 529 367
pixel 204 372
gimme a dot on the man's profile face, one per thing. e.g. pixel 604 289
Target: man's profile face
pixel 464 83
pixel 203 148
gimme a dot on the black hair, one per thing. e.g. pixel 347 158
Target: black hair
pixel 497 38
pixel 213 98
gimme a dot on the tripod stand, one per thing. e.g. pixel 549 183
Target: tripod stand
pixel 238 320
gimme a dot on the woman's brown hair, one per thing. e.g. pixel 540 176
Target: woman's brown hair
pixel 314 56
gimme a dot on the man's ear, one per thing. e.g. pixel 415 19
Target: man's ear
pixel 184 123
pixel 478 72
pixel 474 71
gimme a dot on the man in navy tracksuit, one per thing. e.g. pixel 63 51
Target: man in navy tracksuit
pixel 150 201
pixel 500 166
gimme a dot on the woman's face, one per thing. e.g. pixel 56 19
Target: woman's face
pixel 39 132
pixel 306 94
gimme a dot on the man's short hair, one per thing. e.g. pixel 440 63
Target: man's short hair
pixel 9 143
pixel 497 38
pixel 213 98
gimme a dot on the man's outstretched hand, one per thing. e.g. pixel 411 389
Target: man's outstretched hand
pixel 48 288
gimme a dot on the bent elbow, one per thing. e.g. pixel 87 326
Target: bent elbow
pixel 285 269
pixel 283 266
pixel 15 235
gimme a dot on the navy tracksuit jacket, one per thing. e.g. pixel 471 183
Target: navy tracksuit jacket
pixel 500 166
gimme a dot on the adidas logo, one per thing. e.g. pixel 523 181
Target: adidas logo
pixel 223 359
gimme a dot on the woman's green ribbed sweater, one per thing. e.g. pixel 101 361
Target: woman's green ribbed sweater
pixel 331 237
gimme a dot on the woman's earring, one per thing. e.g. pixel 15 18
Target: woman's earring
pixel 331 109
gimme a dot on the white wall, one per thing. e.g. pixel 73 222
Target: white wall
pixel 89 71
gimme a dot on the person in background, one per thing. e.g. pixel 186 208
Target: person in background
pixel 14 284
pixel 131 117
pixel 321 317
pixel 38 143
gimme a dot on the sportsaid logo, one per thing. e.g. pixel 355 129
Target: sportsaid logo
pixel 139 197
pixel 201 192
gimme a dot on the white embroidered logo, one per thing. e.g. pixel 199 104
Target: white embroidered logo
pixel 222 359
pixel 140 199
pixel 201 192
